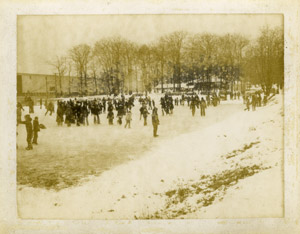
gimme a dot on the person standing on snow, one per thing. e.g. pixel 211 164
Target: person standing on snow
pixel 50 108
pixel 247 103
pixel 36 129
pixel 155 121
pixel 145 115
pixel 254 102
pixel 29 129
pixel 128 118
pixel 202 107
pixel 193 107
pixel 110 117
pixel 31 105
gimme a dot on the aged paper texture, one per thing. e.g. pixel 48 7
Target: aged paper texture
pixel 149 117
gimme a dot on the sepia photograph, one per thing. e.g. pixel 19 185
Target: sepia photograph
pixel 134 117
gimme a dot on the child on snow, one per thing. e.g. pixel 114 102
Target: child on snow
pixel 128 119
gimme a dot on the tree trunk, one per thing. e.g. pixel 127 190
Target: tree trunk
pixel 69 84
pixel 137 82
pixel 95 83
pixel 60 86
pixel 162 78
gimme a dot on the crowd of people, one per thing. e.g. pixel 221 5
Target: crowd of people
pixel 77 111
pixel 255 100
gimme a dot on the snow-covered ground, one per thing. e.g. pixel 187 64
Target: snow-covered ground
pixel 228 164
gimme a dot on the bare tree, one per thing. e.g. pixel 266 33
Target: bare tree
pixel 81 55
pixel 69 66
pixel 60 65
pixel 175 42
pixel 103 55
pixel 94 70
pixel 144 58
pixel 129 53
pixel 264 58
pixel 160 54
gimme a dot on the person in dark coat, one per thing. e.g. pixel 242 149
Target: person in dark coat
pixel 31 104
pixel 41 103
pixel 145 115
pixel 254 102
pixel 202 107
pixel 208 99
pixel 95 111
pixel 69 115
pixel 110 117
pixel 259 99
pixel 50 108
pixel 59 114
pixel 248 103
pixel 142 111
pixel 155 121
pixel 85 114
pixel 120 113
pixel 193 107
pixel 36 129
pixel 29 129
pixel 171 106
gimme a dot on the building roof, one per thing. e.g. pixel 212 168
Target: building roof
pixel 34 74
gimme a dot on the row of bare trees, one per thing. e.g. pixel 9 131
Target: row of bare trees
pixel 116 65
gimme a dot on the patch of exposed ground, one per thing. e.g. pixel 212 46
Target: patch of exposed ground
pixel 205 191
pixel 242 150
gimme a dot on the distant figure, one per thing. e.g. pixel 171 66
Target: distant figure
pixel 59 114
pixel 50 108
pixel 145 115
pixel 254 102
pixel 85 114
pixel 259 99
pixel 36 129
pixel 193 107
pixel 128 118
pixel 155 121
pixel 41 103
pixel 208 100
pixel 142 111
pixel 163 105
pixel 29 129
pixel 19 112
pixel 120 110
pixel 110 117
pixel 31 105
pixel 247 103
pixel 202 107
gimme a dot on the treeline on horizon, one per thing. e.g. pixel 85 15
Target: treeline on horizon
pixel 119 64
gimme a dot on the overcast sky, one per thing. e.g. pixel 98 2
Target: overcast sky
pixel 41 38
